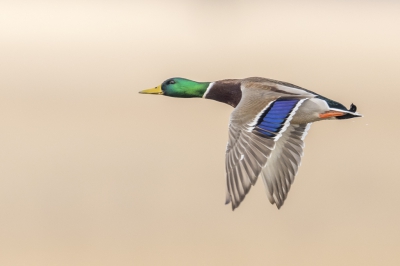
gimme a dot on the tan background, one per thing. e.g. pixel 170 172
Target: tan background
pixel 92 173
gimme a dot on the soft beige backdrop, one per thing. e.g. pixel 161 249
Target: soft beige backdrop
pixel 92 173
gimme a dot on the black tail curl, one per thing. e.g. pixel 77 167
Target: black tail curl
pixel 352 109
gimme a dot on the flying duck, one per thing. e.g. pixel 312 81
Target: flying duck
pixel 266 130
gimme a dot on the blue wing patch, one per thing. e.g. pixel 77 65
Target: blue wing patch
pixel 274 117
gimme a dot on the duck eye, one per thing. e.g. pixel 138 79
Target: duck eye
pixel 171 82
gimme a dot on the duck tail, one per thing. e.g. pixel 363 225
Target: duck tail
pixel 351 113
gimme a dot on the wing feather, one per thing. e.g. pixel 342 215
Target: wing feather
pixel 277 162
pixel 283 164
pixel 262 142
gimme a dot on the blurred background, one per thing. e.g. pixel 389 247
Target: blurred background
pixel 93 173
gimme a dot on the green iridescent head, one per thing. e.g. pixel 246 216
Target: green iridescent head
pixel 179 87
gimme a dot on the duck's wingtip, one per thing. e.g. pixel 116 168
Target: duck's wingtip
pixel 227 198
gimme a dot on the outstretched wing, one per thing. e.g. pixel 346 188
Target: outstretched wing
pixel 281 168
pixel 262 142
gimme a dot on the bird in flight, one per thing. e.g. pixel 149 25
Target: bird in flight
pixel 266 130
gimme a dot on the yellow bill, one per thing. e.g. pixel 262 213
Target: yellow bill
pixel 156 90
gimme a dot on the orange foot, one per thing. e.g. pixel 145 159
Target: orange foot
pixel 331 114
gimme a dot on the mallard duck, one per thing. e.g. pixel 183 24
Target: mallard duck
pixel 266 130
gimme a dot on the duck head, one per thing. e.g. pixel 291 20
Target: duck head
pixel 179 87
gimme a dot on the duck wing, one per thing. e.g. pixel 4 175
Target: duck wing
pixel 281 168
pixel 263 142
